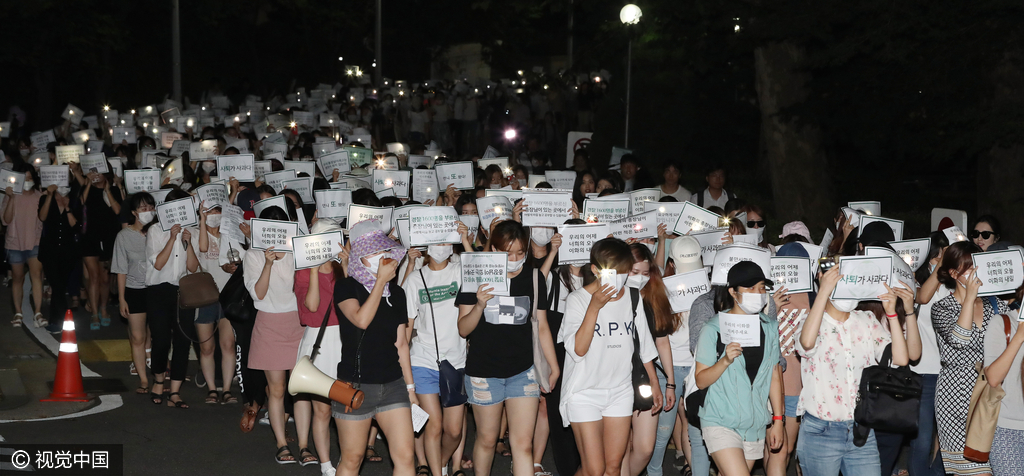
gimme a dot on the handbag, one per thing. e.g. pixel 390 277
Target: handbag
pixel 541 368
pixel 196 290
pixel 889 398
pixel 341 391
pixel 643 393
pixel 235 300
pixel 983 413
pixel 451 380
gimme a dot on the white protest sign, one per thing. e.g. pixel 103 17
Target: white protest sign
pixel 115 163
pixel 177 212
pixel 314 250
pixel 1000 272
pixel 54 175
pixel 352 182
pixel 501 162
pixel 69 153
pixel 73 114
pixel 358 213
pixel 276 179
pixel 279 201
pixel 393 179
pixel 869 208
pixel 576 141
pixel 94 163
pixel 143 180
pixel 826 239
pixel 489 152
pixel 863 277
pixel 387 192
pixel 598 210
pixel 473 223
pixel 896 225
pixel 749 239
pixel 563 179
pixel 13 180
pixel 793 272
pixel 710 243
pixel 261 168
pixel 41 139
pixel 202 150
pixel 167 139
pixel 94 146
pixel 336 160
pixel 546 207
pixel 485 268
pixel 332 203
pixel 640 198
pixel 230 217
pixel 695 218
pixel 644 225
pixel 433 226
pixel 457 174
pixel 241 166
pixel 303 186
pixel 402 228
pixel 300 166
pixel 513 196
pixel 912 252
pixel 123 134
pixel 902 274
pixel 951 217
pixel 491 208
pixel 321 149
pixel 179 147
pixel 276 233
pixel 852 216
pixel 729 255
pixel 813 251
pixel 684 288
pixel 533 180
pixel 304 118
pixel 39 158
pixel 213 195
pixel 424 185
pixel 361 156
pixel 577 240
pixel 274 148
pixel 668 212
pixel 954 234
pixel 160 196
pixel 416 161
pixel 743 329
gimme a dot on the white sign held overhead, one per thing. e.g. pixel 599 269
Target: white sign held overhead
pixel 66 154
pixel 695 218
pixel 143 180
pixel 954 234
pixel 276 179
pixel 895 225
pixel 177 212
pixel 58 175
pixel 912 252
pixel 279 201
pixel 13 180
pixel 314 250
pixel 563 179
pixel 577 240
pixel 273 233
pixel 644 225
pixel 458 174
pixel 485 269
pixel 729 255
pixel 336 160
pixel 433 226
pixel 501 162
pixel 213 195
pixel 493 208
pixel 398 180
pixel 793 272
pixel 358 213
pixel 640 198
pixel 668 212
pixel 869 208
pixel 1000 272
pixel 202 150
pixel 303 186
pixel 546 207
pixel 94 163
pixel 605 211
pixel 684 288
pixel 241 167
pixel 863 277
pixel 424 185
pixel 332 203
pixel 902 274
pixel 301 166
pixel 710 242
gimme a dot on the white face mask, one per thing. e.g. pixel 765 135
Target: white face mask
pixel 931 268
pixel 209 166
pixel 213 221
pixel 25 152
pixel 177 181
pixel 637 281
pixel 514 266
pixel 439 253
pixel 760 234
pixel 28 185
pixel 146 217
pixel 375 261
pixel 845 305
pixel 494 186
pixel 541 235
pixel 752 303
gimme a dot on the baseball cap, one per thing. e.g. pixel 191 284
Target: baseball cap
pixel 747 274
pixel 685 252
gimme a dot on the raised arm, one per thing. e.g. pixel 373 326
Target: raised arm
pixel 362 316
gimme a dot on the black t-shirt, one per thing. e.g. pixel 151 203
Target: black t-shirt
pixel 505 350
pixel 379 356
pixel 100 221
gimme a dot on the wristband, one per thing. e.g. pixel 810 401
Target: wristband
pixel 410 386
pixel 911 314
pixel 892 316
pixel 670 385
pixel 777 417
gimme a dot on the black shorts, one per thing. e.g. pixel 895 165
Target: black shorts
pixel 136 299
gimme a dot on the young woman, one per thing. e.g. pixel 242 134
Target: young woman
pixel 985 231
pixel 24 230
pixel 597 394
pixel 584 184
pixel 1002 367
pixel 58 250
pixel 432 313
pixel 836 344
pixel 756 224
pixel 101 204
pixel 960 321
pixel 170 255
pixel 130 265
pixel 374 351
pixel 269 277
pixel 742 382
pixel 670 185
pixel 499 365
pixel 210 319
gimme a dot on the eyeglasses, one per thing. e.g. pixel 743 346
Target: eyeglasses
pixel 756 223
pixel 983 234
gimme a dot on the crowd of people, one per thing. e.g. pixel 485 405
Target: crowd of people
pixel 554 363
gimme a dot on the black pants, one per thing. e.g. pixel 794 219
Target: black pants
pixel 252 383
pixel 560 439
pixel 58 270
pixel 889 446
pixel 163 316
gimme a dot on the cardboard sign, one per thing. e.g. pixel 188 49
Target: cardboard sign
pixel 143 180
pixel 869 208
pixel 695 218
pixel 902 275
pixel 94 163
pixel 954 234
pixel 473 223
pixel 598 210
pixel 896 225
pixel 177 212
pixel 948 217
pixel 13 180
pixel 424 185
pixel 399 180
pixel 501 162
pixel 417 161
pixel 913 252
pixel 332 203
pixel 794 273
pixel 668 212
pixel 644 225
pixel 123 134
pixel 577 240
pixel 743 329
pixel 202 150
pixel 457 174
pixel 358 213
pixel 241 167
pixel 863 277
pixel 563 179
pixel 729 255
pixel 336 160
pixel 276 233
pixel 684 288
pixel 69 153
pixel 1000 272
pixel 279 201
pixel 546 207
pixel 485 268
pixel 710 243
pixel 433 226
pixel 360 156
pixel 491 208
pixel 213 195
pixel 640 198
pixel 58 175
pixel 576 140
pixel 301 166
pixel 314 250
pixel 276 179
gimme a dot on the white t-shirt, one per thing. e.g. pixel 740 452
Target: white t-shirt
pixel 553 279
pixel 711 202
pixel 681 194
pixel 443 286
pixel 280 295
pixel 680 343
pixel 418 121
pixel 175 267
pixel 210 261
pixel 608 364
pixel 931 362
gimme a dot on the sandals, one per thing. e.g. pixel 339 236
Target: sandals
pixel 373 457
pixel 423 469
pixel 541 472
pixel 248 417
pixel 176 404
pixel 141 390
pixel 227 398
pixel 16 322
pixel 157 398
pixel 212 397
pixel 284 456
pixel 502 448
pixel 95 324
pixel 104 321
pixel 40 321
pixel 308 457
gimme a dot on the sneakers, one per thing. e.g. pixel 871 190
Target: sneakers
pixel 328 470
pixel 265 419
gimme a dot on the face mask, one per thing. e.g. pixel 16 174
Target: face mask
pixel 209 166
pixel 637 281
pixel 213 221
pixel 24 152
pixel 146 217
pixel 931 268
pixel 620 281
pixel 845 305
pixel 760 234
pixel 651 246
pixel 439 253
pixel 752 303
pixel 28 185
pixel 177 181
pixel 541 235
pixel 375 261
pixel 514 266
pixel 495 185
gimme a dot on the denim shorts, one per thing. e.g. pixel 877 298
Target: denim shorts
pixel 377 398
pixel 490 391
pixel 791 403
pixel 22 256
pixel 209 314
pixel 427 380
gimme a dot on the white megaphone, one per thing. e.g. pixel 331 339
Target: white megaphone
pixel 306 378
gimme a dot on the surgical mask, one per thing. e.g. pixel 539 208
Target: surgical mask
pixel 375 261
pixel 24 152
pixel 931 268
pixel 651 246
pixel 177 181
pixel 28 185
pixel 209 166
pixel 845 305
pixel 514 266
pixel 760 234
pixel 494 186
pixel 752 303
pixel 637 281
pixel 439 253
pixel 541 235
pixel 213 221
pixel 146 217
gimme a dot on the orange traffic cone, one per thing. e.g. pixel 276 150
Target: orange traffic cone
pixel 67 384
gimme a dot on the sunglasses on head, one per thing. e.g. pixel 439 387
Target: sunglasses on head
pixel 983 234
pixel 756 223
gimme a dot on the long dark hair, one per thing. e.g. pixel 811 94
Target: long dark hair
pixel 175 194
pixel 136 201
pixel 957 257
pixel 937 241
pixel 655 294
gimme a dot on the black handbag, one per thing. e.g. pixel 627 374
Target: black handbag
pixel 643 392
pixel 889 398
pixel 235 300
pixel 450 379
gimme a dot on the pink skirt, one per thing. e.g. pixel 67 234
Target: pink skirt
pixel 275 341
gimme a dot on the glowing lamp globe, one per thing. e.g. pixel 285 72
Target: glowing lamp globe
pixel 630 14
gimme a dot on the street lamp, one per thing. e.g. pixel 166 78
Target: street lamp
pixel 629 15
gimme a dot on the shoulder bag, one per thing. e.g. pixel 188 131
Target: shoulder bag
pixel 541 368
pixel 643 394
pixel 889 398
pixel 983 413
pixel 450 379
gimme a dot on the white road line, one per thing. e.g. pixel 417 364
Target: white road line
pixel 107 403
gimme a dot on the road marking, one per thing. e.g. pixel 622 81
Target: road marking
pixel 107 403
